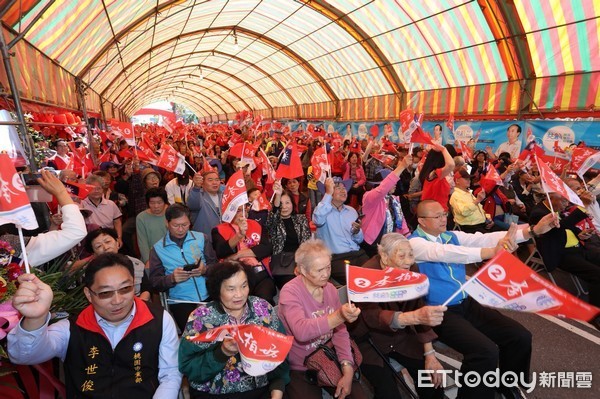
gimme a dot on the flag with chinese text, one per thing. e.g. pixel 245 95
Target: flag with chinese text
pixel 261 349
pixel 320 164
pixel 171 160
pixel 583 158
pixel 507 283
pixel 389 285
pixel 551 183
pixel 467 152
pixel 14 202
pixel 234 196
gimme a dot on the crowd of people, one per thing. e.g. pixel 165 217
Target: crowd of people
pixel 425 209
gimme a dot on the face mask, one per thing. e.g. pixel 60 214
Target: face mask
pixel 414 165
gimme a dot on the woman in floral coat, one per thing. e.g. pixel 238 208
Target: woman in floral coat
pixel 214 369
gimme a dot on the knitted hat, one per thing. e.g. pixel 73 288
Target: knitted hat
pixel 148 171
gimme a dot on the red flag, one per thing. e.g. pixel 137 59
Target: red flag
pixel 388 146
pixel 234 196
pixel 507 283
pixel 148 151
pixel 79 151
pixel 450 123
pixel 171 160
pixel 248 150
pixel 267 168
pixel 419 136
pixel 290 165
pixel 261 349
pixel 206 166
pixel 320 164
pixel 14 203
pixel 386 159
pixel 530 151
pixel 492 175
pixel 80 190
pixel 584 158
pixel 261 203
pixel 374 130
pixel 557 148
pixel 407 117
pixel 551 183
pixel 467 152
pixel 389 285
pixel 125 154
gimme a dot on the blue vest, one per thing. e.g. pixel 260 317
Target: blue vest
pixel 172 257
pixel 444 278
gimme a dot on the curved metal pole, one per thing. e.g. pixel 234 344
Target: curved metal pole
pixel 22 126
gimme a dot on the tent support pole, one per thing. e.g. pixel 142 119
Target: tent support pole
pixel 90 137
pixel 28 145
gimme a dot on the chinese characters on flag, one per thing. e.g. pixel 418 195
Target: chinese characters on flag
pixel 261 348
pixel 551 183
pixel 14 203
pixel 507 283
pixel 389 285
pixel 234 196
pixel 320 164
pixel 171 160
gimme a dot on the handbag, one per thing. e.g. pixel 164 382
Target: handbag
pixel 325 363
pixel 283 260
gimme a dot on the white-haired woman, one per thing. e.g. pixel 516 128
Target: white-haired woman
pixel 399 330
pixel 311 311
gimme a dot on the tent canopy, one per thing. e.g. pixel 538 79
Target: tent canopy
pixel 221 56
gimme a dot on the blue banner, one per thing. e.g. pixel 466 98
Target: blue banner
pixel 548 134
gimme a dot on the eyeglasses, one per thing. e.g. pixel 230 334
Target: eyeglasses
pixel 110 294
pixel 180 226
pixel 438 217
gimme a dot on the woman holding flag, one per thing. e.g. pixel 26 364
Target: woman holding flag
pixel 398 330
pixel 215 369
pixel 245 241
pixel 288 230
pixel 311 311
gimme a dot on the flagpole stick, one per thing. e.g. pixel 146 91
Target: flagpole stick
pixel 584 185
pixel 462 286
pixel 23 251
pixel 191 167
pixel 347 282
pixel 547 193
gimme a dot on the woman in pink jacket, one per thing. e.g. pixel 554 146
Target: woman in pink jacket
pixel 310 310
pixel 355 171
pixel 383 210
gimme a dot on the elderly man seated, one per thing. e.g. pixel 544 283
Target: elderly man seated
pixel 486 338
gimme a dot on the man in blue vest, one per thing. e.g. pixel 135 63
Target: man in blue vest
pixel 118 346
pixel 178 263
pixel 486 338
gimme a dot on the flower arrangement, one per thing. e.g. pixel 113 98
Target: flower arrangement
pixel 9 272
pixel 68 294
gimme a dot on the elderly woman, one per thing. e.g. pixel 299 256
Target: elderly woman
pixel 311 311
pixel 214 369
pixel 245 241
pixel 288 230
pixel 399 330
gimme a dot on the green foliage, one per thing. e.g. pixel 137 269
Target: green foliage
pixel 68 298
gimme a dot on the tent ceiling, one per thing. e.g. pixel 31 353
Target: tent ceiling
pixel 280 53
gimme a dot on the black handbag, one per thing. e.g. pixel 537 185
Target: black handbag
pixel 324 362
